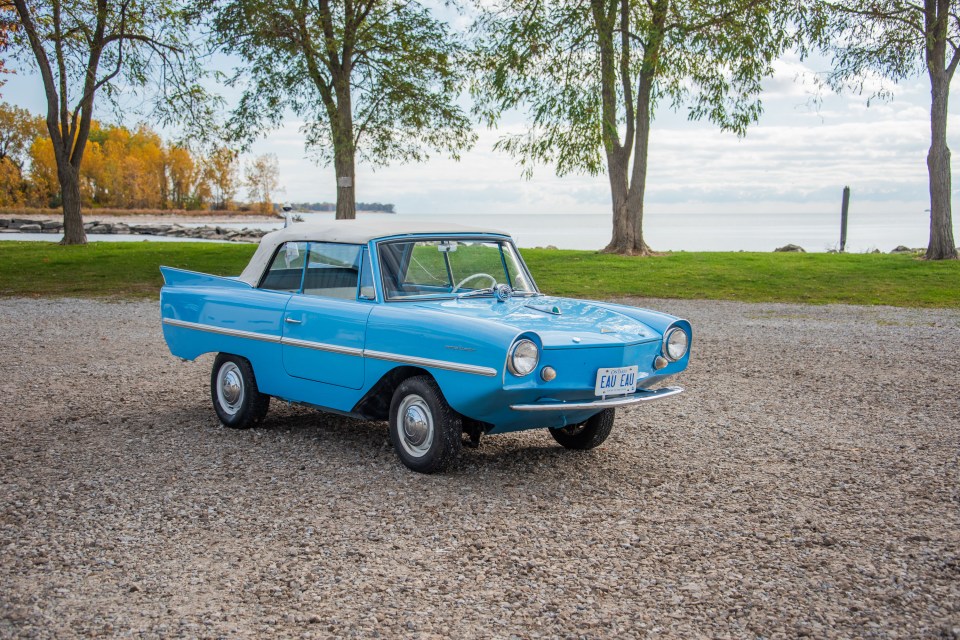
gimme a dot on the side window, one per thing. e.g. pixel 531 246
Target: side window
pixel 333 270
pixel 367 288
pixel 286 271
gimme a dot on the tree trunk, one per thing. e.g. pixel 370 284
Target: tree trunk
pixel 627 236
pixel 345 153
pixel 621 240
pixel 346 194
pixel 942 245
pixel 73 232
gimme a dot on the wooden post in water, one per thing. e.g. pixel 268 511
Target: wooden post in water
pixel 843 218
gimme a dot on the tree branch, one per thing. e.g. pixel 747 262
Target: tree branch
pixel 46 73
pixel 625 80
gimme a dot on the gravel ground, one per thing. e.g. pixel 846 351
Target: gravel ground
pixel 808 484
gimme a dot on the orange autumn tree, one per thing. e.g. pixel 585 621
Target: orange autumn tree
pixel 124 168
pixel 18 128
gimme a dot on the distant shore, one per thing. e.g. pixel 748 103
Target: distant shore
pixel 153 216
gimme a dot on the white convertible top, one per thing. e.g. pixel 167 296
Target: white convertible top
pixel 346 232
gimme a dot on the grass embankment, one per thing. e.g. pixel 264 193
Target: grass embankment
pixel 130 270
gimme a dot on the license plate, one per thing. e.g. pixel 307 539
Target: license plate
pixel 617 381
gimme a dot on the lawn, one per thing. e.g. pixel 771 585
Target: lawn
pixel 130 270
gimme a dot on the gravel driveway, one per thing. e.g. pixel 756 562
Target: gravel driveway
pixel 807 484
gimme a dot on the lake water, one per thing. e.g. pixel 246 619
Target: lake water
pixel 815 232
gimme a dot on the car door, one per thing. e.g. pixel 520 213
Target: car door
pixel 324 327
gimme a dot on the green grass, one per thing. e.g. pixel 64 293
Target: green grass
pixel 109 269
pixel 130 270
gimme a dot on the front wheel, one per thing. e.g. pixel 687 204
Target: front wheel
pixel 236 397
pixel 588 434
pixel 424 430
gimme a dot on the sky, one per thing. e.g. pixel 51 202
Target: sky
pixel 797 159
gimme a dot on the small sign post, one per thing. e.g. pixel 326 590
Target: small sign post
pixel 843 218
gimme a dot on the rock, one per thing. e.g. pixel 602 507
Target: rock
pixel 790 248
pixel 99 229
pixel 52 225
pixel 30 228
pixel 16 223
pixel 4 223
pixel 904 249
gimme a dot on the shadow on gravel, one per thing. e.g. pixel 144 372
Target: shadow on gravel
pixel 301 431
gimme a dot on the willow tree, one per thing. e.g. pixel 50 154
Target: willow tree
pixel 900 39
pixel 590 74
pixel 83 49
pixel 374 80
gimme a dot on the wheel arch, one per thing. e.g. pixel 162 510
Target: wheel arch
pixel 375 403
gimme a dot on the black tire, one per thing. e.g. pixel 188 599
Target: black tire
pixel 427 437
pixel 588 434
pixel 236 397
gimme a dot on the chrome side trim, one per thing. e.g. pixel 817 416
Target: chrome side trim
pixel 350 351
pixel 321 346
pixel 429 362
pixel 644 396
pixel 236 333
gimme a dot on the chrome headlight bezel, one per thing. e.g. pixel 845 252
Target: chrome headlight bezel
pixel 672 337
pixel 512 365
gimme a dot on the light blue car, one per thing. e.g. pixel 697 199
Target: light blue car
pixel 439 329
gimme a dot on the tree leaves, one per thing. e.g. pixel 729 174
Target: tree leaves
pixel 392 65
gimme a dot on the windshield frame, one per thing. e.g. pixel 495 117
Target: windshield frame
pixel 439 237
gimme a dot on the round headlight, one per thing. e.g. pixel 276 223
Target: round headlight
pixel 523 358
pixel 675 344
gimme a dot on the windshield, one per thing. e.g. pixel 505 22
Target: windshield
pixel 451 267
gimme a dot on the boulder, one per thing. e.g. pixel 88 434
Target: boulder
pixel 790 248
pixel 4 223
pixel 30 228
pixel 905 249
pixel 98 229
pixel 52 225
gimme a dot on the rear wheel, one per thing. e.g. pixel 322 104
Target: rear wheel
pixel 424 430
pixel 588 434
pixel 233 389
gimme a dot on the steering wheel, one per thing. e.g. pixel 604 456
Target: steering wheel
pixel 493 281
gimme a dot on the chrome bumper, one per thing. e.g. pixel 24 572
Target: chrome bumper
pixel 621 401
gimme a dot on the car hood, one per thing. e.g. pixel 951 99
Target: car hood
pixel 560 322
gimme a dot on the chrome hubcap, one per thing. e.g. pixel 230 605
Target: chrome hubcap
pixel 416 425
pixel 230 388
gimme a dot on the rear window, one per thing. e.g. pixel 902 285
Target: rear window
pixel 324 269
pixel 286 270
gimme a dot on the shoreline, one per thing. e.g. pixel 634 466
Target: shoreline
pixel 212 218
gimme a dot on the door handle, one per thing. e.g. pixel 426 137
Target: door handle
pixel 290 320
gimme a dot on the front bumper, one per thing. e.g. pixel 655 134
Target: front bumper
pixel 604 403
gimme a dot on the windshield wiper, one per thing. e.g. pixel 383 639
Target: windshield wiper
pixel 475 292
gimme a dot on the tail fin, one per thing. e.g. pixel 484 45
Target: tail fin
pixel 173 277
